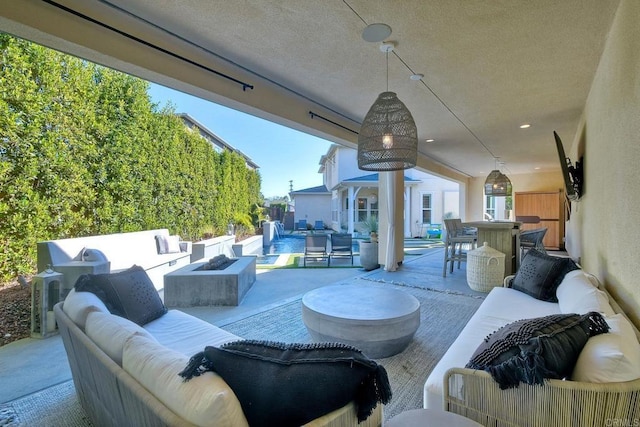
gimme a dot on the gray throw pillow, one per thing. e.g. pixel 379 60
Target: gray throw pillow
pixel 129 294
pixel 284 385
pixel 540 275
pixel 531 350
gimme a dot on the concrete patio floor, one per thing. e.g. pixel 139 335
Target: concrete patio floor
pixel 30 365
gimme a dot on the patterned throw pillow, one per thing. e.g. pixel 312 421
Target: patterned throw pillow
pixel 291 384
pixel 531 350
pixel 129 294
pixel 540 274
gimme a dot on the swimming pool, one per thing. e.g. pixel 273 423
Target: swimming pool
pixel 293 244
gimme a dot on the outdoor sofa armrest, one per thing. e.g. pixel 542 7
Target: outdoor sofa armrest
pixel 475 395
pixel 508 280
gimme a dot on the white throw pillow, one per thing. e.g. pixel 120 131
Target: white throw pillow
pixel 576 294
pixel 77 305
pixel 110 332
pixel 610 357
pixel 206 400
pixel 173 244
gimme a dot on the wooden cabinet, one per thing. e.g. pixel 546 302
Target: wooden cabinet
pixel 549 206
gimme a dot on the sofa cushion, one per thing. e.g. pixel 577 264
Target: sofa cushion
pixel 77 305
pixel 204 401
pixel 129 293
pixel 110 332
pixel 576 294
pixel 531 350
pixel 291 384
pixel 540 274
pixel 612 357
pixel 187 334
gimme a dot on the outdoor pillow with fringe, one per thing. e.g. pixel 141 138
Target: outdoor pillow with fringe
pixel 281 384
pixel 531 350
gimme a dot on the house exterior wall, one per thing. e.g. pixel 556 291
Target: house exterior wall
pixel 341 163
pixel 604 228
pixel 313 207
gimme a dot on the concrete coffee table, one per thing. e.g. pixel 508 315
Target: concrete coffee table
pixel 379 321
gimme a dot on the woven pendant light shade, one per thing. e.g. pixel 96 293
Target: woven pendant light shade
pixel 388 138
pixel 497 184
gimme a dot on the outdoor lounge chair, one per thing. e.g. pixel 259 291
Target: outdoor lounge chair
pixel 302 225
pixel 319 226
pixel 315 247
pixel 341 246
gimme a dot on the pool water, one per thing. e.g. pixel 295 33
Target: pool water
pixel 292 245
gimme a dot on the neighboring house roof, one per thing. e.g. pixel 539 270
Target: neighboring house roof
pixel 215 139
pixel 321 189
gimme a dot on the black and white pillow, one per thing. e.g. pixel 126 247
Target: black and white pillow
pixel 532 350
pixel 540 274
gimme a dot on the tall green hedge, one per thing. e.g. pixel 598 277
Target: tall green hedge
pixel 84 151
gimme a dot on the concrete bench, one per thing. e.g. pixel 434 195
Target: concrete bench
pixel 191 287
pixel 122 250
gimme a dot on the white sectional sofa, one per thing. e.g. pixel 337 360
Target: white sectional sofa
pixel 127 375
pixel 604 384
pixel 122 250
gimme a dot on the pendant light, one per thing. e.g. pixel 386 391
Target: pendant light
pixel 388 138
pixel 497 183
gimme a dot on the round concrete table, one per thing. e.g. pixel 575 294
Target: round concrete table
pixel 430 417
pixel 379 321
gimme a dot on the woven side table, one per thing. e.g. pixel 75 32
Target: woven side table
pixel 485 268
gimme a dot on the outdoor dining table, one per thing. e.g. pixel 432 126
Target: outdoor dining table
pixel 503 236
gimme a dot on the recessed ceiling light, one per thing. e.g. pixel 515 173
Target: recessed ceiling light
pixel 376 32
pixel 525 126
pixel 416 77
pixel 429 140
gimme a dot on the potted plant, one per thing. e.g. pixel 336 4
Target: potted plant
pixel 369 247
pixel 370 225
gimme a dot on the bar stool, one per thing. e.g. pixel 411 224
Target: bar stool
pixel 457 236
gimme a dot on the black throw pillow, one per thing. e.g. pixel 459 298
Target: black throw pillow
pixel 283 385
pixel 541 274
pixel 129 294
pixel 531 350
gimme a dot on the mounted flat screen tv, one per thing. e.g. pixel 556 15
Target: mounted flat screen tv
pixel 572 175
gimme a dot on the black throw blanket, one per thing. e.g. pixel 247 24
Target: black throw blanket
pixel 292 384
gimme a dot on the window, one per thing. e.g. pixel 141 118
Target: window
pixel 362 209
pixel 490 206
pixel 426 208
pixel 374 209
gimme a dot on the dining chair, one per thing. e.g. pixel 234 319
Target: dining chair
pixel 457 237
pixel 532 239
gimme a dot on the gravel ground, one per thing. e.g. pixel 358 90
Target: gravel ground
pixel 15 312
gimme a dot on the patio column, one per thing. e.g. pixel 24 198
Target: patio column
pixel 351 197
pixel 391 196
pixel 407 212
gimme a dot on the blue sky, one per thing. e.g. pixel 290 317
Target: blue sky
pixel 283 154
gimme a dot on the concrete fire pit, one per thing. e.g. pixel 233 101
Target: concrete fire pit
pixel 191 287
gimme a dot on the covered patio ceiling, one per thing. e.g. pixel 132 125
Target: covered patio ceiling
pixel 488 66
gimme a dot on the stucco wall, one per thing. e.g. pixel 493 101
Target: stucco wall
pixel 606 220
